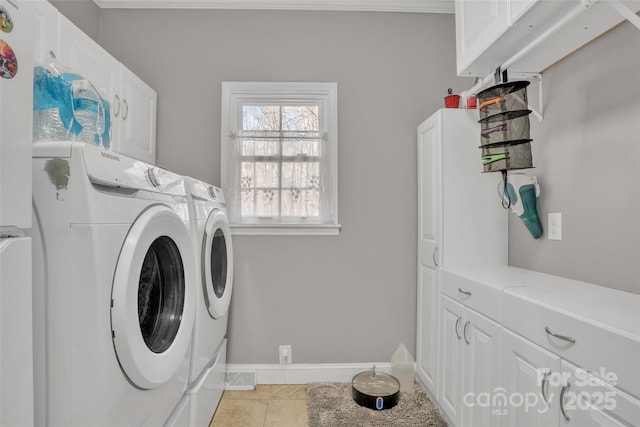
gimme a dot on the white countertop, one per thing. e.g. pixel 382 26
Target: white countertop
pixel 612 309
pixel 507 276
pixel 607 308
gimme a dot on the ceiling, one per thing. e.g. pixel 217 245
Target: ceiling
pixel 412 6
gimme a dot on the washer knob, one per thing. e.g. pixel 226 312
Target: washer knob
pixel 212 193
pixel 153 177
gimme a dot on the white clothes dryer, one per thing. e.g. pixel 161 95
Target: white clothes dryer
pixel 114 288
pixel 211 239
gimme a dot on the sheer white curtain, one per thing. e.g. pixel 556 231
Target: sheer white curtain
pixel 280 177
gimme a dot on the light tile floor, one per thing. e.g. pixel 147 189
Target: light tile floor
pixel 266 406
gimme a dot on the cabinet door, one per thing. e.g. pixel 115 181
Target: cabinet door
pixel 451 358
pixel 136 118
pixel 46 32
pixel 482 365
pixel 86 57
pixel 16 339
pixel 429 134
pixel 81 53
pixel 478 24
pixel 16 112
pixel 530 381
pixel 427 328
pixel 429 138
pixel 587 401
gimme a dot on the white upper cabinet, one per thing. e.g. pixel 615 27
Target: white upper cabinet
pixel 134 118
pixel 82 54
pixel 132 101
pixel 46 32
pixel 491 32
pixel 478 24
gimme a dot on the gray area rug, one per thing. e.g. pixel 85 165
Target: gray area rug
pixel 331 405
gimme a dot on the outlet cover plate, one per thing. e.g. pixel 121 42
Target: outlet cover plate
pixel 555 226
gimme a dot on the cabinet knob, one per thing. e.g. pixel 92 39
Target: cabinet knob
pixel 545 378
pixel 153 177
pixel 116 106
pixel 463 292
pixel 562 393
pixel 125 109
pixel 464 332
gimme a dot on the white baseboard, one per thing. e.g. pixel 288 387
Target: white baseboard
pixel 306 373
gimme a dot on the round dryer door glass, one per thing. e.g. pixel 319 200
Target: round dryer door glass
pixel 161 294
pixel 219 263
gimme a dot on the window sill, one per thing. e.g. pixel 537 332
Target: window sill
pixel 285 229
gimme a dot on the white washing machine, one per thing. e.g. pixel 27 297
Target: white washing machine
pixel 114 288
pixel 211 239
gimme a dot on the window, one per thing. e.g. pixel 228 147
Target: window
pixel 279 157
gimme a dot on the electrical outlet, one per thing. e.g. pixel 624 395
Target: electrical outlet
pixel 285 355
pixel 555 226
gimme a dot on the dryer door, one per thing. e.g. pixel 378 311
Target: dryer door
pixel 217 263
pixel 153 298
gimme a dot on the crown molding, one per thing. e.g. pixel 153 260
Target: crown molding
pixel 411 6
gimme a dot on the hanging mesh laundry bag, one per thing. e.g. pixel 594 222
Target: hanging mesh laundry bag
pixel 504 127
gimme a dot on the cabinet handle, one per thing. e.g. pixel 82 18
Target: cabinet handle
pixel 560 337
pixel 545 378
pixel 116 106
pixel 52 55
pixel 463 292
pixel 464 332
pixel 457 333
pixel 125 109
pixel 433 256
pixel 562 392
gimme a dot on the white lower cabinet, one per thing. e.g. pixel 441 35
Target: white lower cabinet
pixel 543 390
pixel 529 394
pixel 482 367
pixel 469 364
pixel 451 359
pixel 587 401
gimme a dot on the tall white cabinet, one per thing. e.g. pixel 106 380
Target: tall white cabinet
pixel 16 339
pixel 429 233
pixel 133 102
pixel 460 223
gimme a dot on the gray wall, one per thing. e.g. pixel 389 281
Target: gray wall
pixel 587 157
pixel 350 298
pixel 84 13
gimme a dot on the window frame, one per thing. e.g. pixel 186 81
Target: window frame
pixel 237 94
